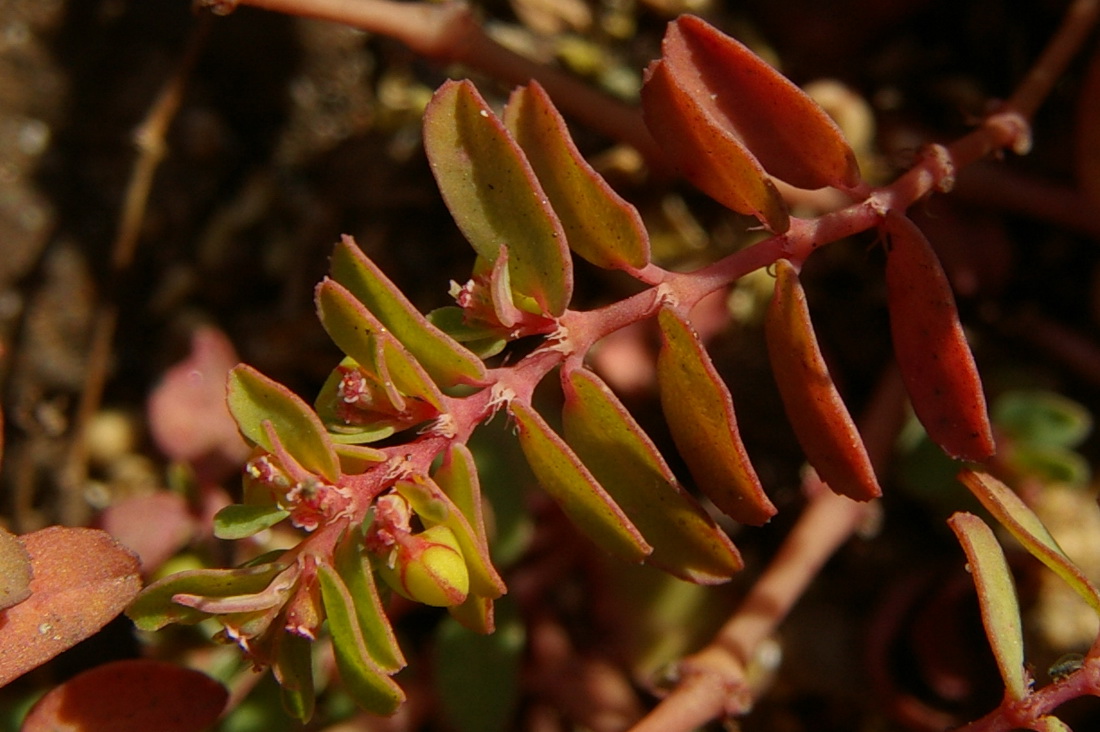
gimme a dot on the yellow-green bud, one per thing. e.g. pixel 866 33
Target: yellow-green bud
pixel 428 567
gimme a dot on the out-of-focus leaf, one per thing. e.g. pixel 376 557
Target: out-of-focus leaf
pixel 367 683
pixel 1022 523
pixel 686 541
pixel 1042 418
pixel 599 225
pixel 293 668
pixel 1087 142
pixel 154 608
pixel 134 695
pixel 700 414
pixel 821 422
pixel 494 196
pixel 706 153
pixel 478 675
pixel 15 570
pixel 81 579
pixel 238 521
pixel 562 475
pixel 997 598
pixel 378 635
pixel 930 346
pixel 1048 723
pixel 155 542
pixel 254 398
pixel 788 132
pixel 1050 464
pixel 476 614
pixel 448 362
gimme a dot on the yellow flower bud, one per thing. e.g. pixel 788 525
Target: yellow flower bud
pixel 428 567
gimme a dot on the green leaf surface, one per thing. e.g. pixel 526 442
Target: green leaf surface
pixel 367 683
pixel 238 521
pixel 475 614
pixel 254 398
pixel 153 609
pixel 448 363
pixel 700 415
pixel 788 132
pixel 562 475
pixel 494 196
pixel 293 668
pixel 599 224
pixel 821 422
pixel 714 159
pixel 378 636
pixel 483 341
pixel 997 598
pixel 478 676
pixel 1042 418
pixel 1009 509
pixel 457 477
pixel 686 541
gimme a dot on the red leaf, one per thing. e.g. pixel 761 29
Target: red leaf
pixel 155 542
pixel 82 579
pixel 930 346
pixel 130 696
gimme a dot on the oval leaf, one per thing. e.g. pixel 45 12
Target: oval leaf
pixel 254 398
pixel 82 579
pixel 562 475
pixel 494 196
pixel 686 541
pixel 238 521
pixel 788 132
pixel 930 346
pixel 708 154
pixel 368 684
pixel 448 362
pixel 1010 510
pixel 996 597
pixel 599 225
pixel 135 695
pixel 15 570
pixel 699 411
pixel 821 422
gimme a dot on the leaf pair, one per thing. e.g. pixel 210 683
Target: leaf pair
pixel 729 121
pixel 520 187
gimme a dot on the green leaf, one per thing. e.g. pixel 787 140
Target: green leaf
pixel 700 414
pixel 1042 418
pixel 821 422
pixel 562 475
pixel 494 196
pixel 448 363
pixel 599 225
pixel 344 433
pixel 238 521
pixel 293 668
pixel 457 477
pixel 378 636
pixel 1049 464
pixel 788 132
pixel 478 675
pixel 483 341
pixel 358 459
pixel 254 398
pixel 686 541
pixel 475 614
pixel 714 159
pixel 1022 523
pixel 367 683
pixel 997 598
pixel 153 609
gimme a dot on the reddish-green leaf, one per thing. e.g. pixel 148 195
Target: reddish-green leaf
pixel 931 349
pixel 562 475
pixel 447 362
pixel 700 414
pixel 82 578
pixel 599 225
pixel 254 398
pixel 154 608
pixel 457 478
pixel 292 666
pixel 135 695
pixel 366 682
pixel 15 570
pixel 996 597
pixel 788 132
pixel 494 196
pixel 820 420
pixel 1022 523
pixel 686 541
pixel 706 153
pixel 378 636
